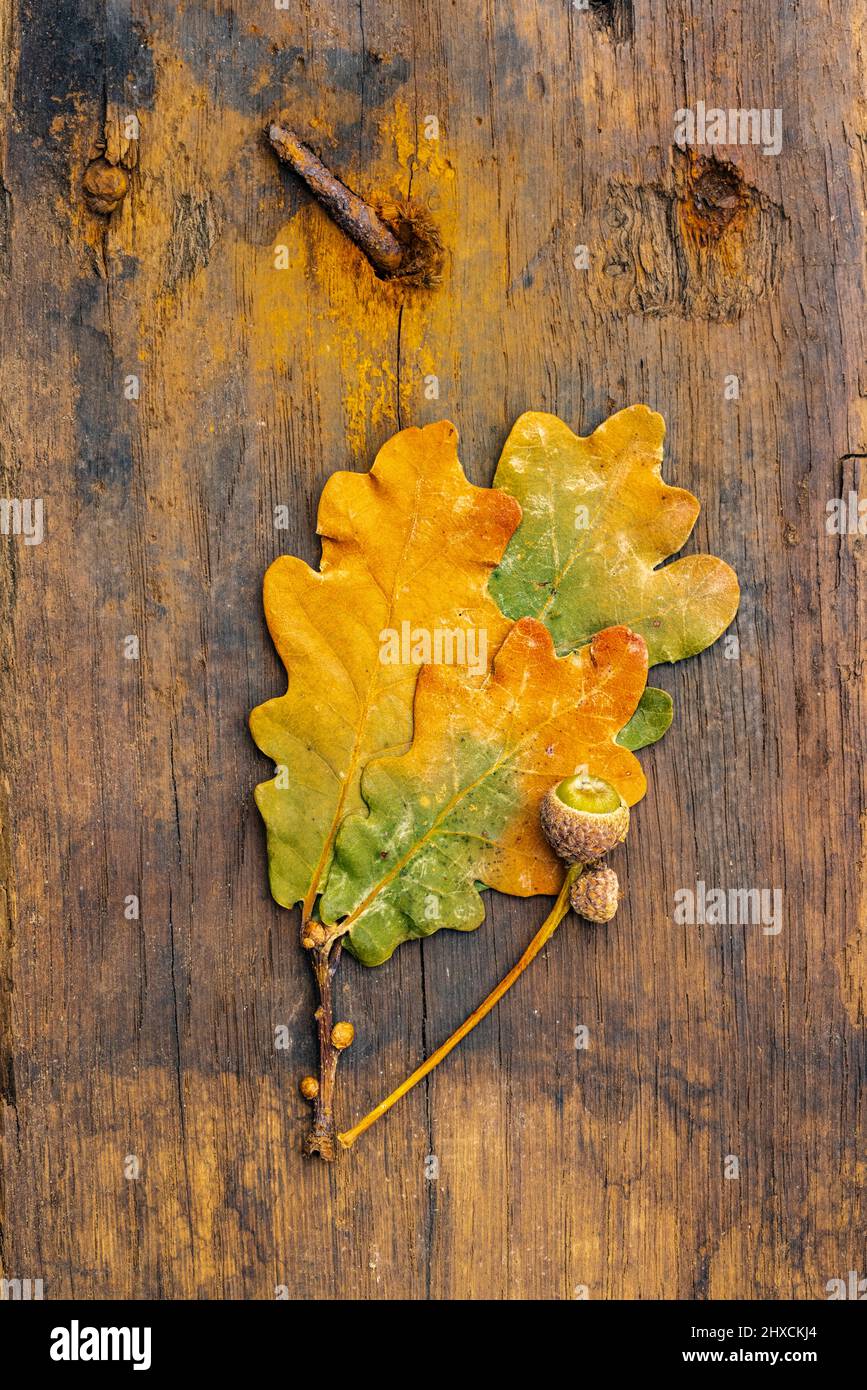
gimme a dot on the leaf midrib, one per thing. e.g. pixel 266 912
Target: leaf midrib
pixel 348 780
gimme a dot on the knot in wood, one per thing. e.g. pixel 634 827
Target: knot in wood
pixel 714 196
pixel 104 186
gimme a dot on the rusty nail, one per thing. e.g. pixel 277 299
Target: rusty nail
pixel 352 214
pixel 401 241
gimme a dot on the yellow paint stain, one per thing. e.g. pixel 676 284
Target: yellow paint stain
pixel 364 345
pixel 400 126
pixel 261 80
pixel 413 150
pixel 178 327
pixel 324 128
pixel 360 347
pixel 329 307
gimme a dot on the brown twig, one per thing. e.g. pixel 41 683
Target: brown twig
pixel 322 1138
pixel 400 240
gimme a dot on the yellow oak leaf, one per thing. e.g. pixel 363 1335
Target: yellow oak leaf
pixel 406 553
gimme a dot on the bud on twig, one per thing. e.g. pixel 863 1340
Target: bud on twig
pixel 342 1035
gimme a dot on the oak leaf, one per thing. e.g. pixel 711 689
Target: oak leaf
pixel 411 542
pixel 461 807
pixel 597 523
pixel 649 722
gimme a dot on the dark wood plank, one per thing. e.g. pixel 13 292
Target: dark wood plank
pixel 559 1169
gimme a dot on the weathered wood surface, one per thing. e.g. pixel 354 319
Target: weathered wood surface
pixel 558 1168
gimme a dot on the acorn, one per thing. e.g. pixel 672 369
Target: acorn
pixel 583 818
pixel 595 895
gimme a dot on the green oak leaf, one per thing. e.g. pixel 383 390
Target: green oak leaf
pixel 598 522
pixel 649 722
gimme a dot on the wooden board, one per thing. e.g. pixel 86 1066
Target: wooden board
pixel 148 1045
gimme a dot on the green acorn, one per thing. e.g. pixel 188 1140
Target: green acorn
pixel 596 894
pixel 583 818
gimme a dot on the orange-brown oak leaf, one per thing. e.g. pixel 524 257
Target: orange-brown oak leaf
pixel 461 807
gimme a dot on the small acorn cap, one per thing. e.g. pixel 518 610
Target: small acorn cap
pixel 595 894
pixel 583 818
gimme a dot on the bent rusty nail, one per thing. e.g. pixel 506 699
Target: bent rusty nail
pixel 352 214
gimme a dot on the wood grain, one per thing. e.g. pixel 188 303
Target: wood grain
pixel 560 1169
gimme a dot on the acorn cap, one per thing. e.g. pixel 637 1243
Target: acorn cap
pixel 583 818
pixel 595 895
